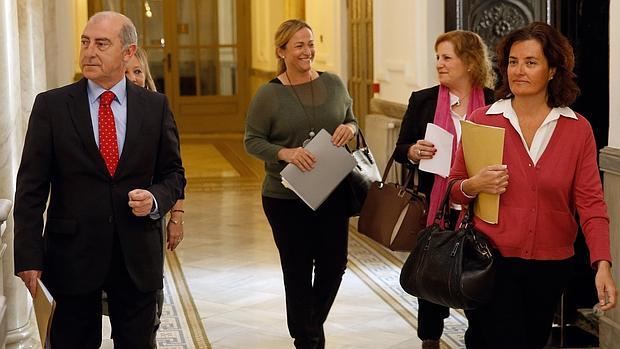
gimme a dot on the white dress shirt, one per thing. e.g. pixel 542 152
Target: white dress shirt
pixel 544 132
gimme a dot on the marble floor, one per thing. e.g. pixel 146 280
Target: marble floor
pixel 232 268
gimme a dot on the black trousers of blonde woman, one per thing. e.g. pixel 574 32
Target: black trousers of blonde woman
pixel 313 254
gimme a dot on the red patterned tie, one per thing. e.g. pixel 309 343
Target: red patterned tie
pixel 108 145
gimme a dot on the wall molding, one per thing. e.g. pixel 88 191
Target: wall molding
pixel 609 160
pixel 387 108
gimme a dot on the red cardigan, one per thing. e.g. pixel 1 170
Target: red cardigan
pixel 537 211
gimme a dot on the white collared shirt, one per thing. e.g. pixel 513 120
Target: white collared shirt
pixel 456 118
pixel 544 132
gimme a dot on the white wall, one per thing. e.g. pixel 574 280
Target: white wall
pixel 404 36
pixel 614 74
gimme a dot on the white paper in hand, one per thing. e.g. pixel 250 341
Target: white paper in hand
pixel 442 139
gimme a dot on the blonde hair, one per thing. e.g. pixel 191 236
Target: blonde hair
pixel 285 32
pixel 470 48
pixel 149 84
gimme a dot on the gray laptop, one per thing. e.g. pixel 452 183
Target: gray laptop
pixel 332 165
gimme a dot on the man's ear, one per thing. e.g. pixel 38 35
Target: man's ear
pixel 130 51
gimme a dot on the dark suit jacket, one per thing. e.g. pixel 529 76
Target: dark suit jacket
pixel 86 205
pixel 421 111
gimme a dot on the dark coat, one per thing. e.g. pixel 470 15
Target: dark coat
pixel 421 111
pixel 86 205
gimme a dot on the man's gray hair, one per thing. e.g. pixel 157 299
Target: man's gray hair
pixel 128 34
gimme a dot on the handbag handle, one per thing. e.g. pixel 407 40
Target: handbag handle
pixel 361 145
pixel 360 142
pixel 410 177
pixel 442 212
pixel 468 218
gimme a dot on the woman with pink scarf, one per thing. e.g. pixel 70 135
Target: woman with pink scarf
pixel 464 73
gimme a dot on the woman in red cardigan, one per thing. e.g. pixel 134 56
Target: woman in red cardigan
pixel 550 153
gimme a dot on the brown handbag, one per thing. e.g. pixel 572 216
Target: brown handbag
pixel 393 214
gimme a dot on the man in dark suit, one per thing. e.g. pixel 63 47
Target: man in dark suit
pixel 106 152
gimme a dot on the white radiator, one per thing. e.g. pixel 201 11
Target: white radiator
pixel 381 135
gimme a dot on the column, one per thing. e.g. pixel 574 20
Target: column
pixel 22 63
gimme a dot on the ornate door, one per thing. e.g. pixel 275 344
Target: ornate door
pixel 496 18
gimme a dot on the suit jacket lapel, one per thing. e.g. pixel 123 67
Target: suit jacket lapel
pixel 80 114
pixel 135 104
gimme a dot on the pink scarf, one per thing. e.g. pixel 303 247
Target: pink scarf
pixel 443 119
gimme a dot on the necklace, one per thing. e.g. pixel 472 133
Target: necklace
pixel 311 133
pixel 458 101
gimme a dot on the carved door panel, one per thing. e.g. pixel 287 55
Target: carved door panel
pixel 492 19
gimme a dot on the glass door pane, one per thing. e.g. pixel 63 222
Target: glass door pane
pixel 187 72
pixel 207 40
pixel 228 71
pixel 157 66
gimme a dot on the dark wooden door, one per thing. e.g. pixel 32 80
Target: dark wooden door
pixel 584 22
pixel 492 19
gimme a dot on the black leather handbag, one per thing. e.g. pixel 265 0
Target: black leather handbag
pixel 453 268
pixel 362 176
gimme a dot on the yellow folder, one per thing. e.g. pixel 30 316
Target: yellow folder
pixel 44 306
pixel 483 146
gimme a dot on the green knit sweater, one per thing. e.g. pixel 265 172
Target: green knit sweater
pixel 277 120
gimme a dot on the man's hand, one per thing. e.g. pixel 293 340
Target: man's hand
pixel 141 202
pixel 30 277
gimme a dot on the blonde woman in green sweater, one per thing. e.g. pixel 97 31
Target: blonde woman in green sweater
pixel 283 114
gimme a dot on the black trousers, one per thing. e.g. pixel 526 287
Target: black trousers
pixel 520 315
pixel 430 319
pixel 77 318
pixel 431 315
pixel 309 241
